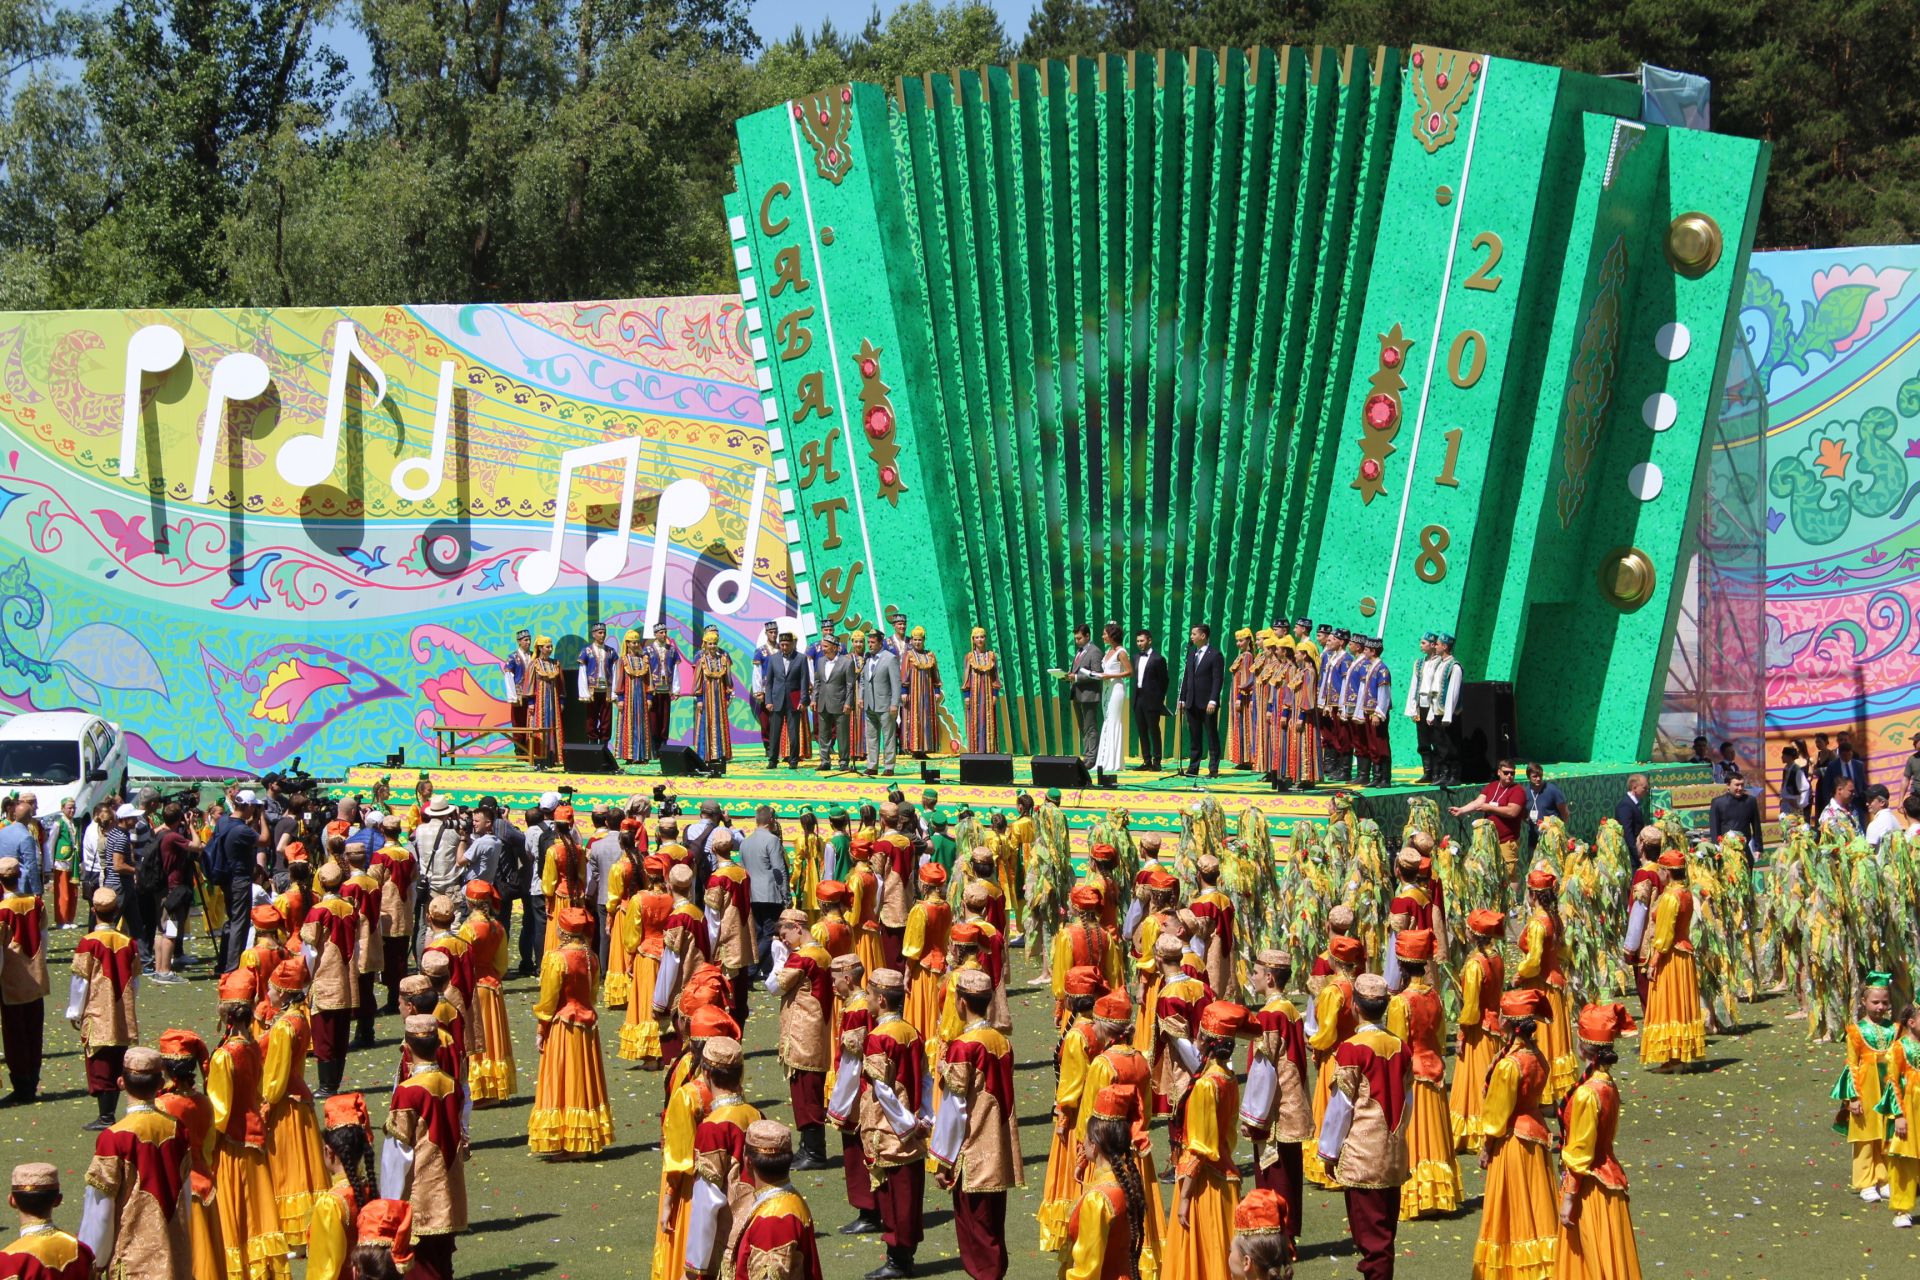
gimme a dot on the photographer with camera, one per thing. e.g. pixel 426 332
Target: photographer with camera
pixel 440 852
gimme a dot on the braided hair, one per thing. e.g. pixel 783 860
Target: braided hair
pixel 1113 1140
pixel 1518 1029
pixel 352 1147
pixel 1077 1008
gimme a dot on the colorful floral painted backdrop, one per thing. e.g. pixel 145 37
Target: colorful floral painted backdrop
pixel 1835 340
pixel 250 535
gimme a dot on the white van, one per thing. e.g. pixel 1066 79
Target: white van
pixel 57 754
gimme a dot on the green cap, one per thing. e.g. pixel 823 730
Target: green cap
pixel 838 811
pixel 1053 794
pixel 929 797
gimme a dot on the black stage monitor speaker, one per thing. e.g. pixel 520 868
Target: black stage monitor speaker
pixel 1484 721
pixel 680 762
pixel 986 771
pixel 1060 771
pixel 588 757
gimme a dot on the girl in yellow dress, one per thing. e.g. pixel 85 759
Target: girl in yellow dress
pixel 809 850
pixel 1518 1221
pixel 1482 979
pixel 1262 1249
pixel 1863 1084
pixel 1332 1020
pixel 623 883
pixel 249 1216
pixel 1674 1031
pixel 1902 1106
pixel 1539 970
pixel 923 949
pixel 1162 891
pixel 333 1230
pixel 298 1169
pixel 1207 1180
pixel 1106 1227
pixel 570 1116
pixel 1417 1017
pixel 1078 1044
pixel 1595 1241
pixel 643 938
pixel 491 1075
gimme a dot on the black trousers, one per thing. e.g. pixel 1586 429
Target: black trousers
pixel 1203 731
pixel 1146 724
pixel 1423 740
pixel 766 919
pixel 790 719
pixel 533 930
pixel 239 920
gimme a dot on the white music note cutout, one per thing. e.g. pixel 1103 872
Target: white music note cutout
pixel 239 375
pixel 683 504
pixel 154 349
pixel 607 556
pixel 740 579
pixel 433 467
pixel 308 459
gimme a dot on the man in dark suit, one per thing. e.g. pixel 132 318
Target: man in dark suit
pixel 789 687
pixel 1149 697
pixel 1853 769
pixel 1084 679
pixel 1631 813
pixel 1200 686
pixel 833 681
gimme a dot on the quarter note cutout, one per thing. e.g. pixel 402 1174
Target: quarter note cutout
pixel 738 580
pixel 432 468
pixel 608 555
pixel 683 504
pixel 309 459
pixel 239 375
pixel 154 349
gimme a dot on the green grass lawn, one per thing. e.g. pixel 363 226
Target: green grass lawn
pixel 1734 1172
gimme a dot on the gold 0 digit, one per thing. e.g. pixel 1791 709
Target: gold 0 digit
pixel 1475 366
pixel 1446 477
pixel 1480 279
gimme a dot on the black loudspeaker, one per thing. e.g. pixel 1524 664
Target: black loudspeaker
pixel 986 771
pixel 1484 721
pixel 680 762
pixel 1064 772
pixel 587 757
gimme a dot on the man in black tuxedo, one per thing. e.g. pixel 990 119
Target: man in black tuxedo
pixel 789 687
pixel 1149 697
pixel 1200 686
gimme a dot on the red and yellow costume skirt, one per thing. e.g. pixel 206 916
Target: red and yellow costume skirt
pixel 570 1114
pixel 1674 1030
pixel 490 1071
pixel 1433 1175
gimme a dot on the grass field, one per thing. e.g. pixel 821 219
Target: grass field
pixel 1734 1172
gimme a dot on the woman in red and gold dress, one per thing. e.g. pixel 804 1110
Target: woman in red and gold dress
pixel 1596 1230
pixel 570 1116
pixel 1518 1221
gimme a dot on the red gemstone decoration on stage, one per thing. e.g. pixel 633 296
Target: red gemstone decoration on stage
pixel 1433 123
pixel 1418 60
pixel 1473 68
pixel 1390 358
pixel 879 421
pixel 833 155
pixel 846 93
pixel 1370 469
pixel 868 368
pixel 1380 411
pixel 1441 79
pixel 798 114
pixel 888 475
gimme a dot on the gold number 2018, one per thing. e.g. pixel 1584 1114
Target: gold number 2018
pixel 1463 367
pixel 1431 565
pixel 1480 279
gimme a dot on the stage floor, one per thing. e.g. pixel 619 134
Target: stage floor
pixel 1152 801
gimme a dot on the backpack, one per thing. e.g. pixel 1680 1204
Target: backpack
pixel 214 857
pixel 144 852
pixel 510 874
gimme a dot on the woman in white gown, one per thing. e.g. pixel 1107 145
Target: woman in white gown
pixel 1111 755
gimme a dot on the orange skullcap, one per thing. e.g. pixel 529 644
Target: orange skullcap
pixel 710 1021
pixel 289 975
pixel 654 865
pixel 860 840
pixel 1223 1018
pixel 1542 878
pixel 966 933
pixel 178 1043
pixel 267 919
pixel 388 1224
pixel 1487 922
pixel 1673 860
pixel 1084 898
pixel 296 852
pixel 1084 980
pixel 1103 853
pixel 1160 880
pixel 563 814
pixel 237 987
pixel 706 987
pixel 481 891
pixel 1114 1102
pixel 346 1111
pixel 1602 1023
pixel 1113 1007
pixel 933 873
pixel 1260 1212
pixel 832 893
pixel 1524 1002
pixel 1414 944
pixel 1347 949
pixel 576 921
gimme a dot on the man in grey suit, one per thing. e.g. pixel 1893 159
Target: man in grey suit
pixel 832 699
pixel 763 855
pixel 879 691
pixel 789 686
pixel 1084 679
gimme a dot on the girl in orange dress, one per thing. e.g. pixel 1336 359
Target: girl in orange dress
pixel 1077 1047
pixel 862 904
pixel 293 1135
pixel 1518 1221
pixel 624 879
pixel 491 1075
pixel 1674 1031
pixel 923 948
pixel 1262 1247
pixel 181 1053
pixel 1207 1180
pixel 1539 970
pixel 564 879
pixel 256 1249
pixel 1162 890
pixel 1106 1227
pixel 643 934
pixel 334 1229
pixel 1331 1020
pixel 570 1116
pixel 1482 978
pixel 1417 1017
pixel 1595 1241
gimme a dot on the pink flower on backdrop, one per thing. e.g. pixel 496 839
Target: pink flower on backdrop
pixel 460 701
pixel 1886 284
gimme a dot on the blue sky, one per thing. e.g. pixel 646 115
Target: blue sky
pixel 772 19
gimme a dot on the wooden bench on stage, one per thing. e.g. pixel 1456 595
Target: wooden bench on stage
pixel 450 739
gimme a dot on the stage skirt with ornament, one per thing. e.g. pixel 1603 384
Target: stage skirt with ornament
pixel 1519 1214
pixel 1269 735
pixel 640 1033
pixel 1675 1029
pixel 543 712
pixel 490 1071
pixel 570 1113
pixel 1433 1175
pixel 982 727
pixel 1303 745
pixel 294 1163
pixel 1240 731
pixel 630 740
pixel 256 1248
pixel 1479 1050
pixel 1599 1245
pixel 1198 1250
pixel 1312 1167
